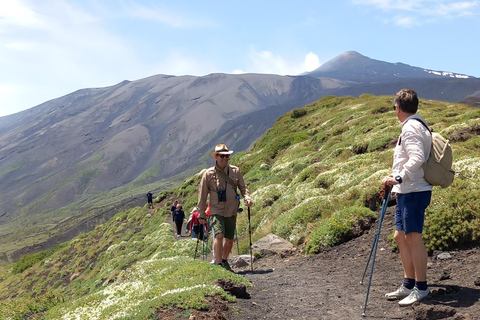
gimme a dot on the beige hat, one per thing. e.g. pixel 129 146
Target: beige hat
pixel 221 149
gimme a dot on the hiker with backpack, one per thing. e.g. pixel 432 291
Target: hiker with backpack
pixel 413 197
pixel 195 228
pixel 222 183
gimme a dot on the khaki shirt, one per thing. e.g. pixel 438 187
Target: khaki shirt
pixel 211 183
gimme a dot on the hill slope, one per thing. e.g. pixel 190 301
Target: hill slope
pixel 314 178
pixel 65 163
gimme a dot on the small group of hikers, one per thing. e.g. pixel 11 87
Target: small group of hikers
pixel 223 184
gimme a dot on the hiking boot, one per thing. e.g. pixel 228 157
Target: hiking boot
pixel 414 296
pixel 400 293
pixel 225 265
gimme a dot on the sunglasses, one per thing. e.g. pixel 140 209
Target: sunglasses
pixel 224 156
pixel 394 107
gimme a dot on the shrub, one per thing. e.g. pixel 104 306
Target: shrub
pixel 28 260
pixel 292 224
pixel 298 113
pixel 337 228
pixel 453 218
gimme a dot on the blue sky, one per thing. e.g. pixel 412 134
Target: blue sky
pixel 50 48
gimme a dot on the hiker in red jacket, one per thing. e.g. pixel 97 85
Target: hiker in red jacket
pixel 196 229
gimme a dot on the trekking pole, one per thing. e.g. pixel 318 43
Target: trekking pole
pixel 205 238
pixel 386 198
pixel 196 247
pixel 250 234
pixel 374 239
pixel 236 236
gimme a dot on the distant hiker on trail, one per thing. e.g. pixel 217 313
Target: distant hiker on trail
pixel 414 194
pixel 150 199
pixel 221 183
pixel 196 229
pixel 173 208
pixel 178 218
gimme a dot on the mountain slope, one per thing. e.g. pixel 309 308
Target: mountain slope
pixel 314 178
pixel 66 162
pixel 352 66
pixel 134 133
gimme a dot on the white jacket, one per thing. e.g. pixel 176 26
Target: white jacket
pixel 412 150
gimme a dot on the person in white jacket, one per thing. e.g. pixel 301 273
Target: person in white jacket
pixel 413 197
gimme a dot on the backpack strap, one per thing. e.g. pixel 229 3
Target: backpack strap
pixel 424 124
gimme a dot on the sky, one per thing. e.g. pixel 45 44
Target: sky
pixel 51 48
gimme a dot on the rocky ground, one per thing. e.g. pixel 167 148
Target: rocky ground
pixel 327 285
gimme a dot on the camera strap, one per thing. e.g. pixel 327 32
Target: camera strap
pixel 226 178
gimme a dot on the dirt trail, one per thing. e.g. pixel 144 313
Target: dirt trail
pixel 327 285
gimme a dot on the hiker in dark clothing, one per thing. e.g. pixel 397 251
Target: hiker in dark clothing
pixel 173 208
pixel 178 217
pixel 150 199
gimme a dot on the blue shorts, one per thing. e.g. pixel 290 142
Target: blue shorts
pixel 410 213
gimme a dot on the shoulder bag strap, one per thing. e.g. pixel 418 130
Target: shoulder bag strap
pixel 226 178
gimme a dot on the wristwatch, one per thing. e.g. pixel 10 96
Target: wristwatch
pixel 398 179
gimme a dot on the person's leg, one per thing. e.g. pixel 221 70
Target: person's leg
pixel 418 254
pixel 218 247
pixel 414 218
pixel 405 255
pixel 415 206
pixel 179 227
pixel 227 248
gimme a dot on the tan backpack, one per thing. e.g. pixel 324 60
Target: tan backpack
pixel 438 168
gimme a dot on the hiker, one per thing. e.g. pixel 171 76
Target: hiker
pixel 173 208
pixel 196 229
pixel 221 183
pixel 178 218
pixel 413 197
pixel 150 199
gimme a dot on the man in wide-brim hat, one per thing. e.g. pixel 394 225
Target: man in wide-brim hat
pixel 222 183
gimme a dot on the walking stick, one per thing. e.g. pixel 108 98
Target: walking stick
pixel 236 236
pixel 196 247
pixel 250 233
pixel 386 198
pixel 205 238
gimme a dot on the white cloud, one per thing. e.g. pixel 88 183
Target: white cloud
pixel 423 10
pixel 58 49
pixel 177 63
pixel 404 21
pixel 270 63
pixel 164 15
pixel 16 13
pixel 456 9
pixel 311 62
pixel 237 71
pixel 390 4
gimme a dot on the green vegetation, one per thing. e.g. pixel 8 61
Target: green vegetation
pixel 314 177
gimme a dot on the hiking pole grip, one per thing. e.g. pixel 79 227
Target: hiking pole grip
pixel 250 234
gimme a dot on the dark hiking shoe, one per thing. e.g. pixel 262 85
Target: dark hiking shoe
pixel 225 265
